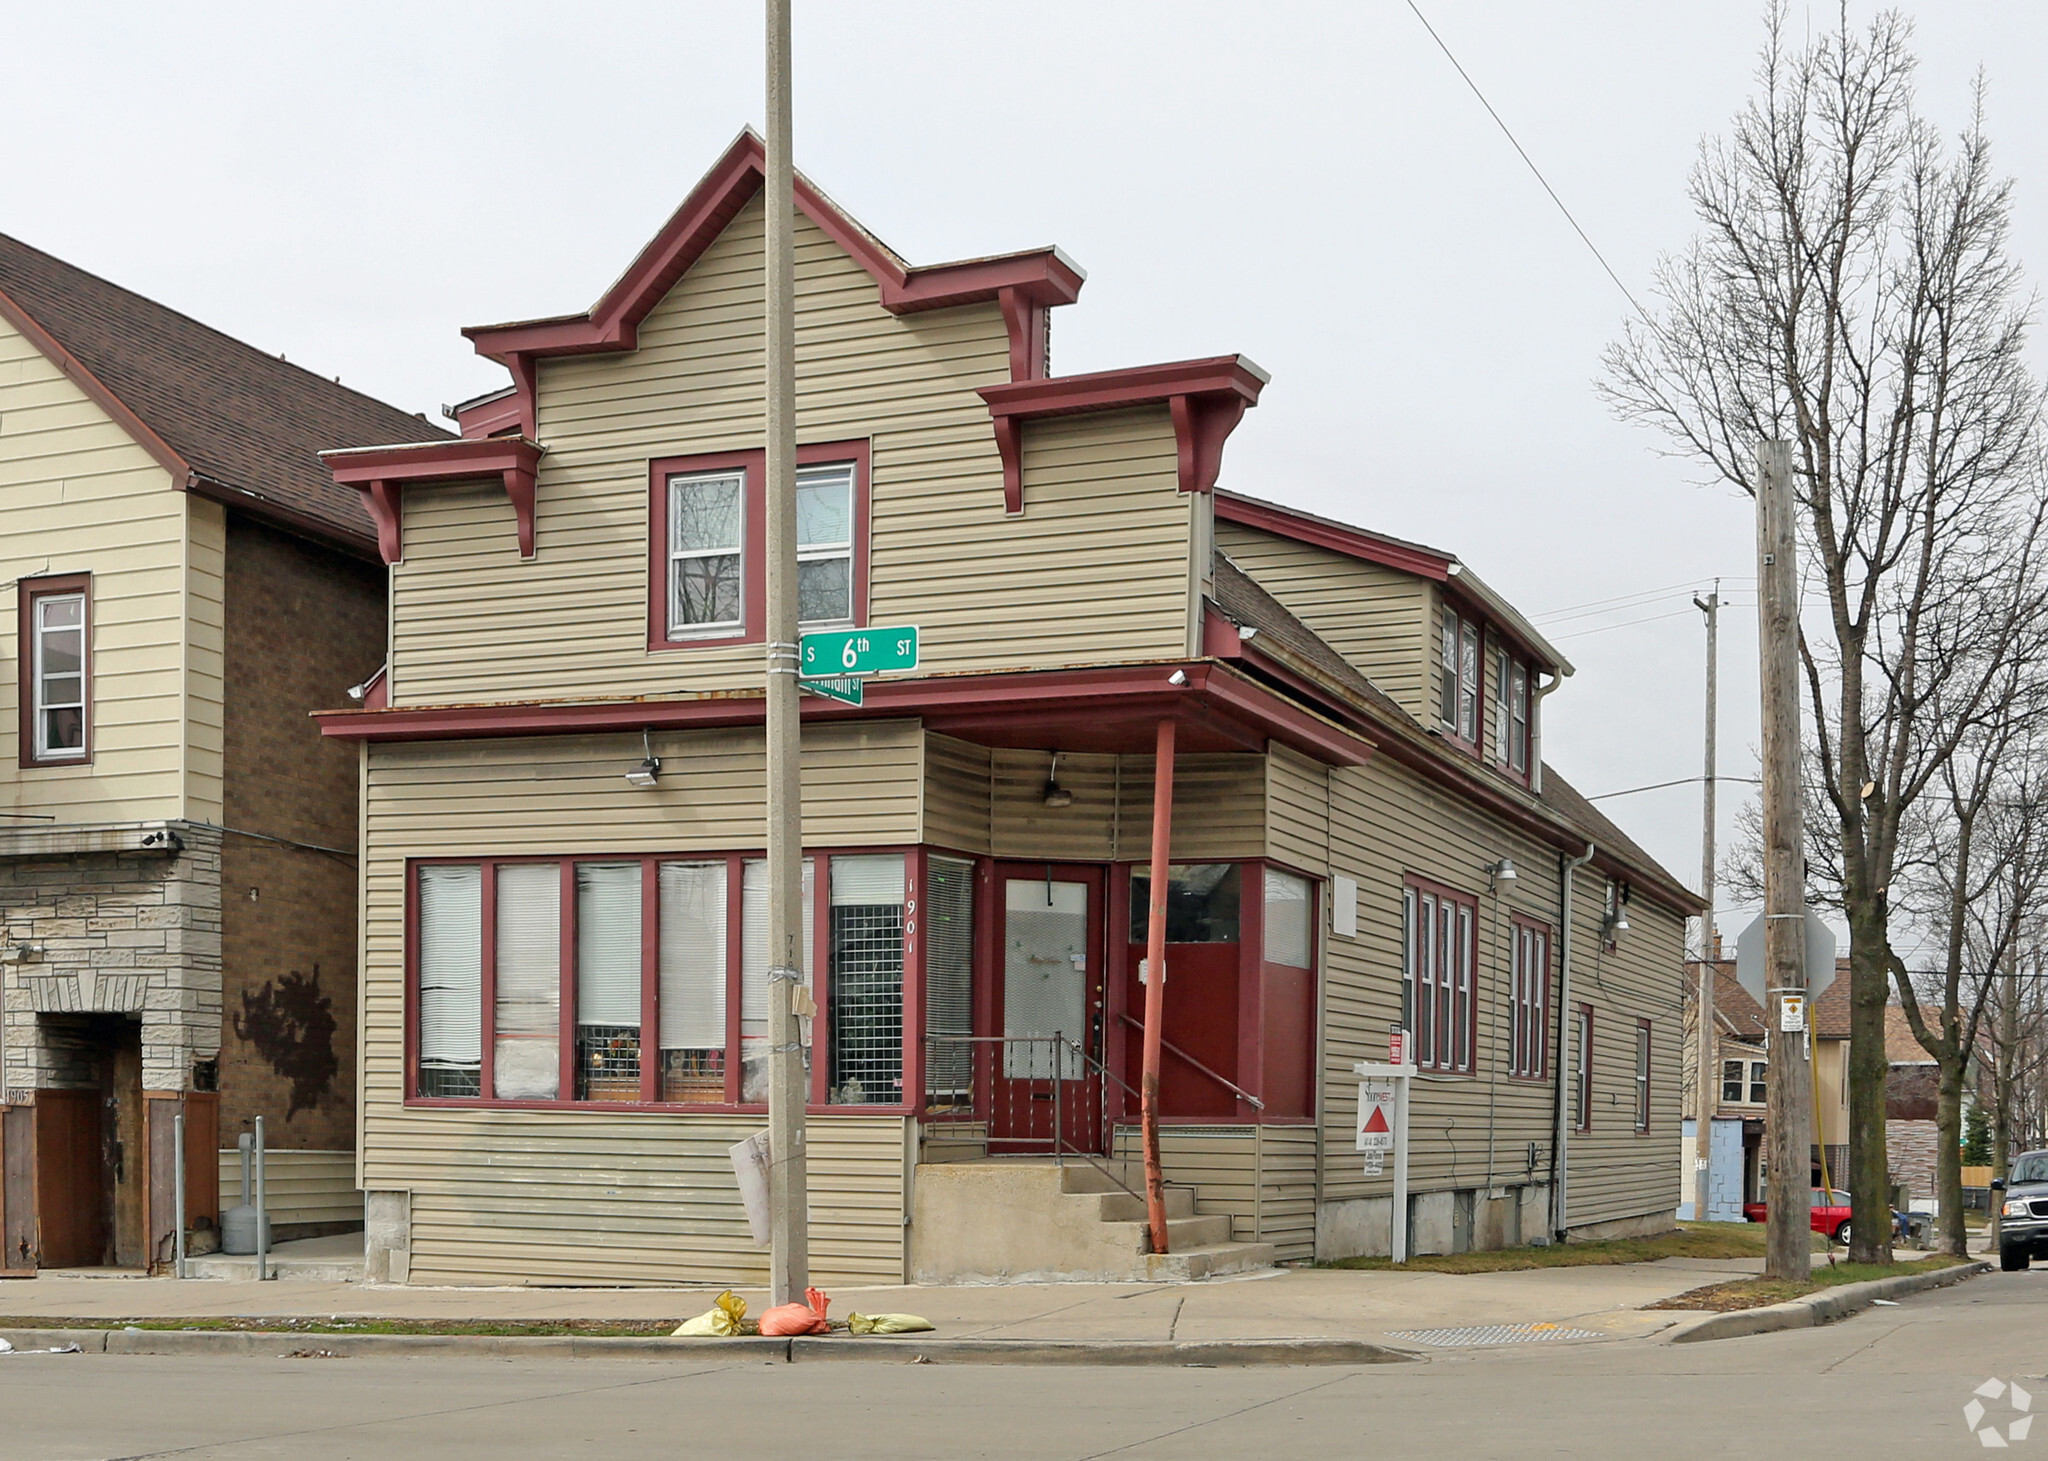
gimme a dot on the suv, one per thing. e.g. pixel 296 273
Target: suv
pixel 2023 1224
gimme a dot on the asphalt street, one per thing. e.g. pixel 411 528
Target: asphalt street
pixel 1892 1382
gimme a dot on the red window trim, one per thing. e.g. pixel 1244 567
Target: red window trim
pixel 1583 1044
pixel 753 536
pixel 1538 1021
pixel 27 591
pixel 1465 1026
pixel 820 916
pixel 1644 1079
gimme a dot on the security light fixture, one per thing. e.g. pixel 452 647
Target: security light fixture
pixel 1178 677
pixel 1055 794
pixel 1502 871
pixel 1616 923
pixel 648 772
pixel 1246 633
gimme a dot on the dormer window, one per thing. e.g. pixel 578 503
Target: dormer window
pixel 1460 708
pixel 1510 712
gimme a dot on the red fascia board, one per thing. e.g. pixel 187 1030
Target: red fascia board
pixel 1351 542
pixel 432 461
pixel 610 324
pixel 1143 689
pixel 1221 375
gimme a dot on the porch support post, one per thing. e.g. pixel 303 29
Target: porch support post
pixel 1155 986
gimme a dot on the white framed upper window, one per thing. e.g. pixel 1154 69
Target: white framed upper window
pixel 707 517
pixel 824 543
pixel 56 669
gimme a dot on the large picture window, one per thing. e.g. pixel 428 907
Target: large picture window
pixel 707 566
pixel 646 979
pixel 1441 950
pixel 55 652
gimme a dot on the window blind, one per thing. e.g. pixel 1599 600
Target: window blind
pixel 451 965
pixel 526 1050
pixel 608 943
pixel 867 881
pixel 949 976
pixel 692 955
pixel 1288 933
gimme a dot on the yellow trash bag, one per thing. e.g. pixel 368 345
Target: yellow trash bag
pixel 887 1324
pixel 721 1319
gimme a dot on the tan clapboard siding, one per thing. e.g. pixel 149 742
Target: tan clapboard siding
pixel 205 669
pixel 298 1187
pixel 1103 511
pixel 1262 1178
pixel 567 1198
pixel 77 495
pixel 1219 806
pixel 1297 809
pixel 956 794
pixel 1378 618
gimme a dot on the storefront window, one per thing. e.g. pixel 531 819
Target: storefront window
pixel 1201 903
pixel 867 981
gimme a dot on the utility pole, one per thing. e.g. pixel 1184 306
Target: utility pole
pixel 2001 1086
pixel 789 1263
pixel 1707 1087
pixel 1789 1115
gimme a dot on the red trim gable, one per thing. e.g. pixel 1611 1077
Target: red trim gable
pixel 1207 398
pixel 96 391
pixel 1036 277
pixel 1352 542
pixel 378 472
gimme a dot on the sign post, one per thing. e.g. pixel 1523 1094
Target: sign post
pixel 1383 1128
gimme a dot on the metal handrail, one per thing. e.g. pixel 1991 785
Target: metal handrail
pixel 1176 1051
pixel 1057 1142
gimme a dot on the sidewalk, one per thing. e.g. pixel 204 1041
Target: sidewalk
pixel 1372 1306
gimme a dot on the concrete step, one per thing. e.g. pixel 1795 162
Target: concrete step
pixel 1123 1207
pixel 306 1270
pixel 1208 1260
pixel 953 1151
pixel 1181 1232
pixel 1103 1174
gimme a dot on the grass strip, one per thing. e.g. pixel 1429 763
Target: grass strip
pixel 337 1324
pixel 1692 1240
pixel 1758 1293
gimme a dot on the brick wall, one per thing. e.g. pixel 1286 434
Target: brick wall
pixel 301 625
pixel 1910 1150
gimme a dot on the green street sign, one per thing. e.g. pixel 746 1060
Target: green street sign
pixel 844 688
pixel 839 652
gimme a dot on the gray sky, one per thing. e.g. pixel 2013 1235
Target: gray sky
pixel 1310 184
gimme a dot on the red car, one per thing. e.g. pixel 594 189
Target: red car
pixel 1830 1216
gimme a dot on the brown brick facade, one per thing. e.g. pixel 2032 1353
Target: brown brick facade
pixel 301 624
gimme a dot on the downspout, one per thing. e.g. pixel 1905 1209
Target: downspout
pixel 1536 735
pixel 1560 1153
pixel 1155 986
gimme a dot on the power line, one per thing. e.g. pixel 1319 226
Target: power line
pixel 1626 623
pixel 1660 785
pixel 1583 237
pixel 1695 585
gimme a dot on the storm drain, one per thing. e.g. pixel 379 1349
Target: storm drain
pixel 1494 1334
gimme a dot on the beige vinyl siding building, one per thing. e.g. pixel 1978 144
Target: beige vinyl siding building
pixel 981 826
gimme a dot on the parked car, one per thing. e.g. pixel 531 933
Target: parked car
pixel 1829 1216
pixel 2023 1213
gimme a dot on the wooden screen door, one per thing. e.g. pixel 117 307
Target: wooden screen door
pixel 1049 1001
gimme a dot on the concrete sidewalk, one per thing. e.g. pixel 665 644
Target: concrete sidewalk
pixel 1375 1306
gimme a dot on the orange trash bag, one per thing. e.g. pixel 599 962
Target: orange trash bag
pixel 798 1318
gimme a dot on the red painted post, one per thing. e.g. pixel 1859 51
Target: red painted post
pixel 1155 986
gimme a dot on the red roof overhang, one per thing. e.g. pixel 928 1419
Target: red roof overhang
pixel 378 472
pixel 1113 707
pixel 1338 538
pixel 1207 398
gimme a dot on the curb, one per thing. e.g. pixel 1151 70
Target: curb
pixel 1822 1308
pixel 896 1349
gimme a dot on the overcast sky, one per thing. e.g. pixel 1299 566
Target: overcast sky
pixel 1309 184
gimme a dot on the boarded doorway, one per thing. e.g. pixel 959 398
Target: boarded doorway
pixel 91 1166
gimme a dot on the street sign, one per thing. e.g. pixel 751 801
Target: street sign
pixel 858 651
pixel 1820 957
pixel 1375 1116
pixel 843 688
pixel 1792 1013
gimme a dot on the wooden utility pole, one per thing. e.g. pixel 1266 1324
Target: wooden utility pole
pixel 788 1084
pixel 1703 1101
pixel 1788 1120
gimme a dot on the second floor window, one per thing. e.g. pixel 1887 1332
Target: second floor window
pixel 1735 1074
pixel 824 544
pixel 1511 712
pixel 1460 710
pixel 55 663
pixel 706 551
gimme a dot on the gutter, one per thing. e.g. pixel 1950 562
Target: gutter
pixel 1560 1144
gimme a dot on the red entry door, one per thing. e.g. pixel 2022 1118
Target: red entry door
pixel 1048 1002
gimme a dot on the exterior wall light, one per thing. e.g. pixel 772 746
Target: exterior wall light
pixel 1178 677
pixel 1502 871
pixel 648 772
pixel 1055 794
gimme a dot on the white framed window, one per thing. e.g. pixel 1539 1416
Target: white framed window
pixel 57 631
pixel 1460 670
pixel 1529 1035
pixel 1518 718
pixel 707 514
pixel 1642 1075
pixel 450 979
pixel 824 543
pixel 1441 947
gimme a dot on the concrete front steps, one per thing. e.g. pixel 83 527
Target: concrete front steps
pixel 334 1259
pixel 1015 1219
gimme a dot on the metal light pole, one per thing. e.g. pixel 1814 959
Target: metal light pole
pixel 788 1187
pixel 1789 1116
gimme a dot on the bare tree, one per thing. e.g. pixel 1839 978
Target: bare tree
pixel 1850 291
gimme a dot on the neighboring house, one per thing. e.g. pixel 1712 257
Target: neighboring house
pixel 1741 1062
pixel 1912 1094
pixel 177 843
pixel 565 989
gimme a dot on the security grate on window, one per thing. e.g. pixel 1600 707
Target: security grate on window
pixel 949 979
pixel 867 1004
